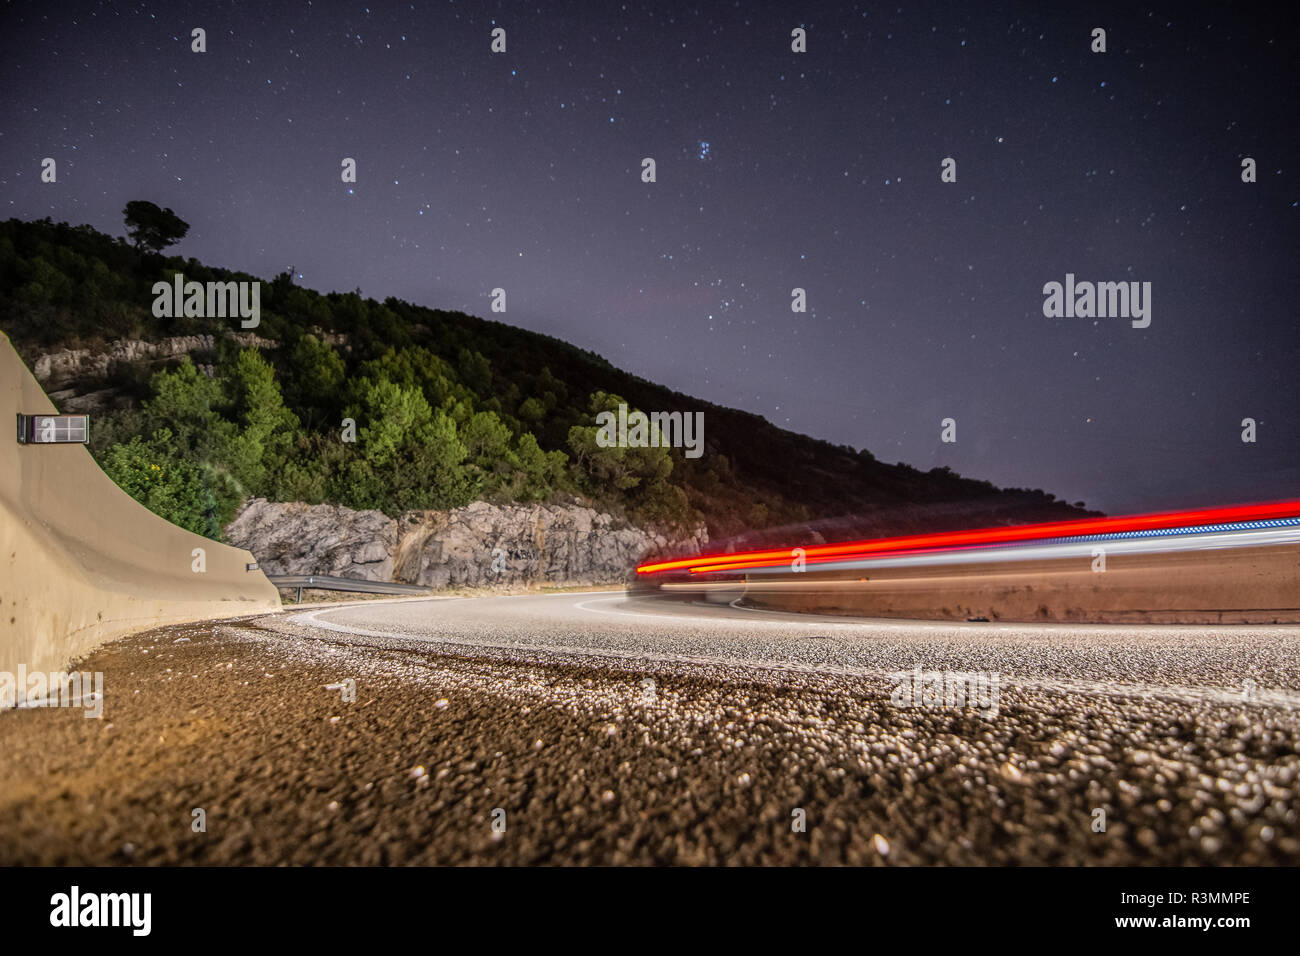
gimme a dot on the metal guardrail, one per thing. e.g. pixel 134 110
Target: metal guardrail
pixel 327 582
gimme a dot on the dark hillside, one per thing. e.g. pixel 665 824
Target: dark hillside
pixel 448 408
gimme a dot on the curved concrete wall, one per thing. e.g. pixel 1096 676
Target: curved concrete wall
pixel 81 561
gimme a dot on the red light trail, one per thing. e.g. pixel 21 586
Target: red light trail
pixel 982 536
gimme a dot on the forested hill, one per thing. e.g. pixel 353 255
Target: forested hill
pixel 448 408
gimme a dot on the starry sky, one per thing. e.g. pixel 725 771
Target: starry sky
pixel 774 170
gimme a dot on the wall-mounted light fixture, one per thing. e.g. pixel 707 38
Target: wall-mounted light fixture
pixel 53 429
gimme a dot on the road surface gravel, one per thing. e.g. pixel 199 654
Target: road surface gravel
pixel 592 728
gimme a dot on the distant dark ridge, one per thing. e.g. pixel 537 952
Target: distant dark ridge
pixel 63 286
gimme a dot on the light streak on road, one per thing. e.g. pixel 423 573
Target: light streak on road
pixel 1237 526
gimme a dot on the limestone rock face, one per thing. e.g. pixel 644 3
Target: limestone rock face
pixel 296 538
pixel 480 545
pixel 70 376
pixel 71 365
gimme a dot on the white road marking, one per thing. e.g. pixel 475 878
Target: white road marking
pixel 1286 699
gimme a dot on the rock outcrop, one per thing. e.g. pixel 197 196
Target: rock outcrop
pixel 480 545
pixel 74 366
pixel 70 366
pixel 297 538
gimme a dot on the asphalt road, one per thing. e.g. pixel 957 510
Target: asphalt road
pixel 1193 664
pixel 590 728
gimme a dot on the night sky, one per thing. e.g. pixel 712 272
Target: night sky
pixel 775 170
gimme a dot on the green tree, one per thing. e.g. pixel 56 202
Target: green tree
pixel 667 506
pixel 315 381
pixel 606 469
pixel 45 284
pixel 475 371
pixel 634 478
pixel 256 403
pixel 186 402
pixel 168 485
pixel 153 228
pixel 417 368
pixel 486 438
pixel 235 429
pixel 532 411
pixel 410 454
pixel 537 472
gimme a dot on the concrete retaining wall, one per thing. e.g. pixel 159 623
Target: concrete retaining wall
pixel 82 562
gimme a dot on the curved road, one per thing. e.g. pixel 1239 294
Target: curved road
pixel 708 732
pixel 1234 665
pixel 594 728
